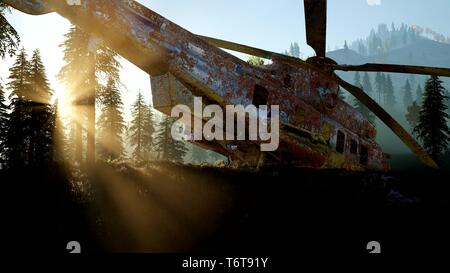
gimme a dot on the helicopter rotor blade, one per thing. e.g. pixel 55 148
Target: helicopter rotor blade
pixel 316 25
pixel 254 51
pixel 394 68
pixel 387 119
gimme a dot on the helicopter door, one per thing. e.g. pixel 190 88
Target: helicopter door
pixel 340 142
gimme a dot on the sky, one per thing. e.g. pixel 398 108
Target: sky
pixel 271 25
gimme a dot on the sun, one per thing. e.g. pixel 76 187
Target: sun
pixel 64 107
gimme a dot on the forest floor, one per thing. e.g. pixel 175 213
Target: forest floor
pixel 167 207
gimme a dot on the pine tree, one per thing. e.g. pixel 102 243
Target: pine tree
pixel 407 95
pixel 88 63
pixel 166 146
pixel 60 149
pixel 357 79
pixel 18 127
pixel 149 130
pixel 75 74
pixel 3 125
pixel 42 117
pixel 383 88
pixel 413 114
pixel 367 84
pixel 30 127
pixel 433 129
pixel 9 38
pixel 141 129
pixel 294 50
pixel 389 94
pixel 419 94
pixel 111 124
pixel 360 107
pixel 379 84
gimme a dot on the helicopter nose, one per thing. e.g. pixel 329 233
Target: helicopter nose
pixel 33 7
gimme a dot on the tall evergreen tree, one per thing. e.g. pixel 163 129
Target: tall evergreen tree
pixel 42 116
pixel 18 127
pixel 360 107
pixel 433 129
pixel 367 84
pixel 389 94
pixel 9 38
pixel 383 88
pixel 111 124
pixel 294 50
pixel 141 129
pixel 59 151
pixel 3 125
pixel 166 146
pixel 419 94
pixel 357 79
pixel 149 129
pixel 407 95
pixel 89 64
pixel 379 85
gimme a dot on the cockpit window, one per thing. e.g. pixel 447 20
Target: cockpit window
pixel 340 142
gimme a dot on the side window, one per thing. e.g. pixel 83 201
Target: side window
pixel 340 142
pixel 364 155
pixel 260 95
pixel 353 147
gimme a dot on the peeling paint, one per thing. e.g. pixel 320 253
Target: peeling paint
pixel 182 65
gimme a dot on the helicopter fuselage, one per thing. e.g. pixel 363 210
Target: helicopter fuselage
pixel 318 129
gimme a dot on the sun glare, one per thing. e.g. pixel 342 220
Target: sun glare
pixel 60 96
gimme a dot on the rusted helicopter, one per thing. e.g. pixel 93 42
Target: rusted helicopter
pixel 318 129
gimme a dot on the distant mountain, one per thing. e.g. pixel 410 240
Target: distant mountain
pixel 422 51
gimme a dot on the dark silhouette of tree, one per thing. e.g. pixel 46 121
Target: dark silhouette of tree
pixel 357 79
pixel 389 94
pixel 407 95
pixel 59 151
pixel 30 128
pixel 413 114
pixel 433 129
pixel 111 124
pixel 9 39
pixel 75 74
pixel 88 63
pixel 360 107
pixel 141 129
pixel 149 127
pixel 42 117
pixel 18 129
pixel 379 85
pixel 3 125
pixel 167 147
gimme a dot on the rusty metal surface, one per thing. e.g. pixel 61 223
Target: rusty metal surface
pixel 316 25
pixel 184 65
pixel 410 69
